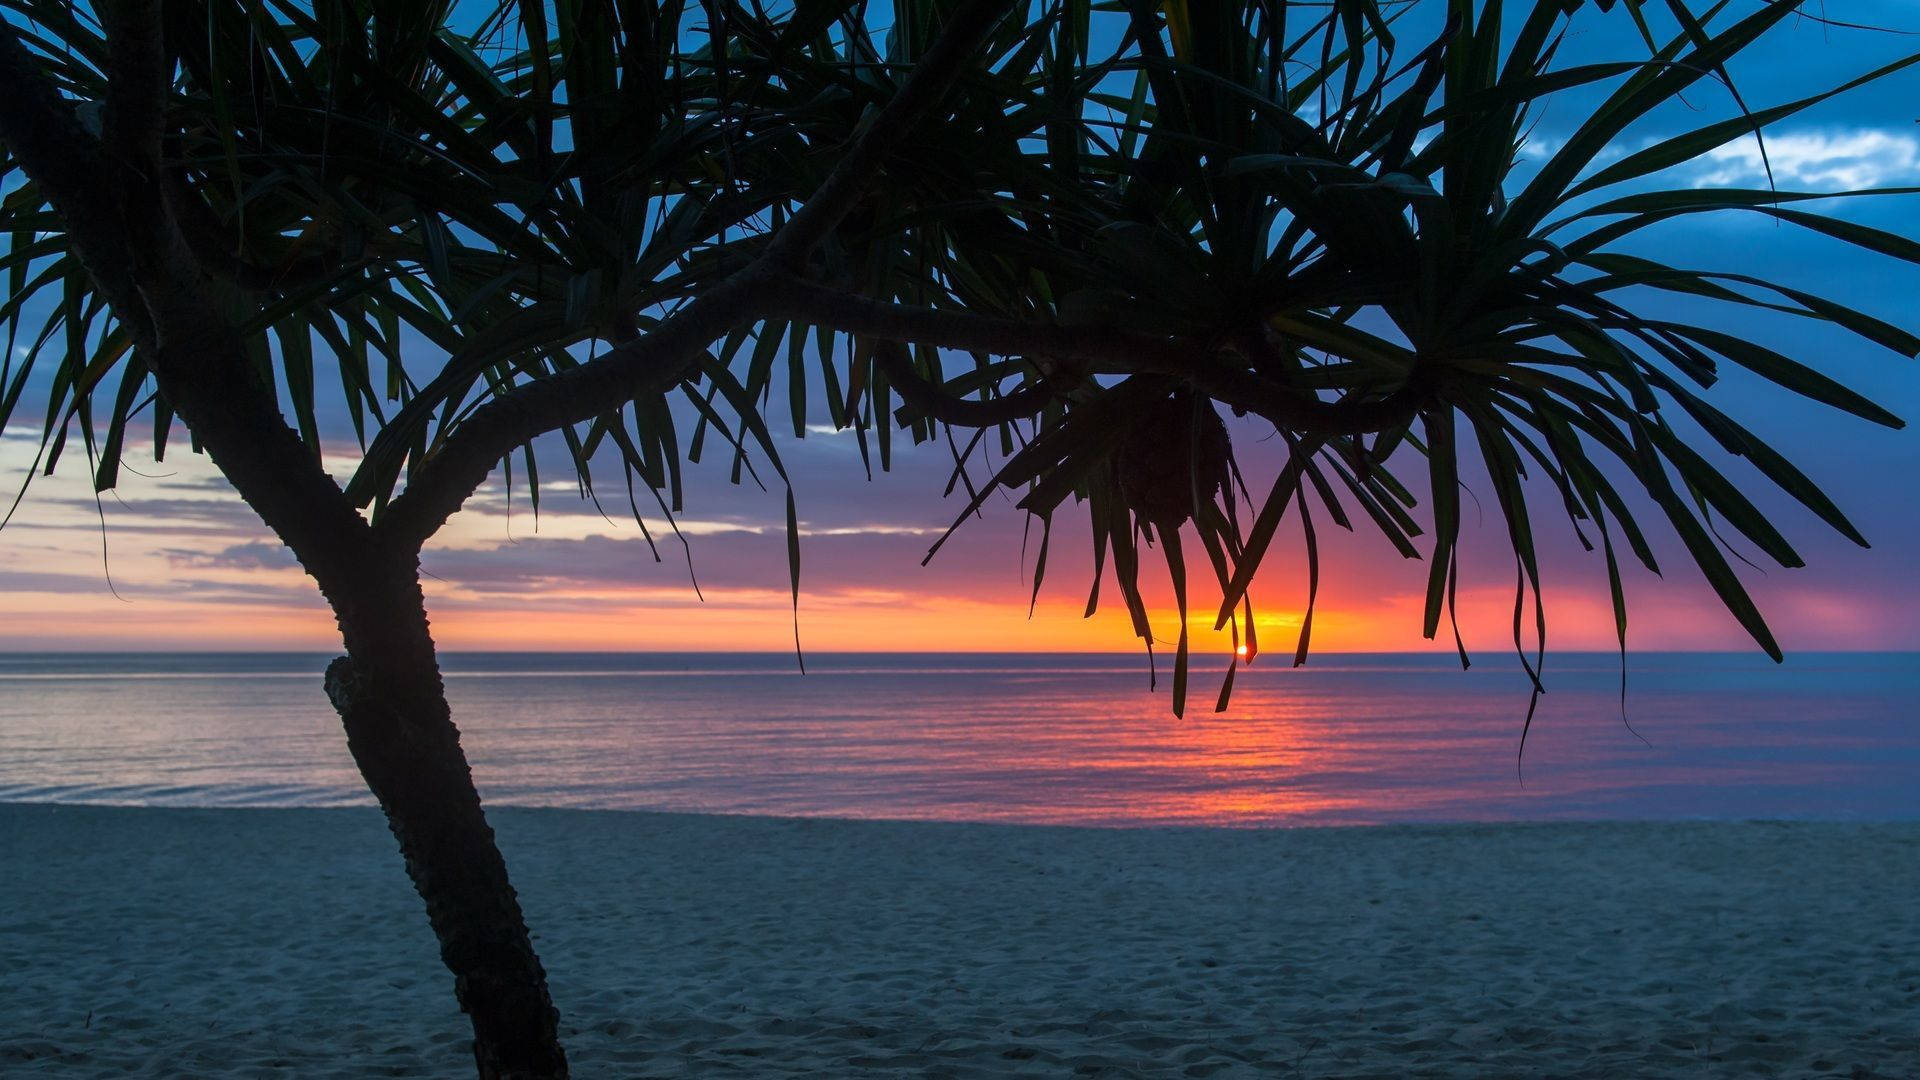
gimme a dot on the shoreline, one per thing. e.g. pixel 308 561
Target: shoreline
pixel 228 942
pixel 15 801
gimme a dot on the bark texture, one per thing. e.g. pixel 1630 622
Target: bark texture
pixel 403 738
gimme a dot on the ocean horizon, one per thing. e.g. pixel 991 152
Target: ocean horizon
pixel 1042 738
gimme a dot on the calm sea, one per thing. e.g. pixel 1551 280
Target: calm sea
pixel 1060 739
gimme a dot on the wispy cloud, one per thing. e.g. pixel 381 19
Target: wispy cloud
pixel 1830 160
pixel 252 555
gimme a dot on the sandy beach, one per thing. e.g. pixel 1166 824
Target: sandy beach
pixel 240 943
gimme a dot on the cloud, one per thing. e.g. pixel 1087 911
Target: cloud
pixel 740 559
pixel 1830 160
pixel 14 583
pixel 24 581
pixel 217 517
pixel 253 555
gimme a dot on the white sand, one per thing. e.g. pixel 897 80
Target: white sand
pixel 286 942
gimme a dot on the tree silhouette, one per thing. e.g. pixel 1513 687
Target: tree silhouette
pixel 1079 228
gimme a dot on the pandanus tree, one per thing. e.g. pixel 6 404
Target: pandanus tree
pixel 1069 233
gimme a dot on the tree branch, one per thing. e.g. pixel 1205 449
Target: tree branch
pixel 655 363
pixel 204 234
pixel 643 367
pixel 935 403
pixel 932 76
pixel 1122 350
pixel 1106 349
pixel 134 112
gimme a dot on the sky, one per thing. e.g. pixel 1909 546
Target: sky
pixel 172 560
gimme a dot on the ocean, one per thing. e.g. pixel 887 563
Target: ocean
pixel 1056 739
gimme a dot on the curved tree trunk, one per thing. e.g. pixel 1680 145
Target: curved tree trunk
pixel 387 688
pixel 390 698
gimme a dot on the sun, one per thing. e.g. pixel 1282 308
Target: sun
pixel 1240 651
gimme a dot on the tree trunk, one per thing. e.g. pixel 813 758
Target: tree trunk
pixel 387 688
pixel 401 733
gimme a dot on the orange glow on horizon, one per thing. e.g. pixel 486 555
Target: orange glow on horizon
pixel 848 620
pixel 212 582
